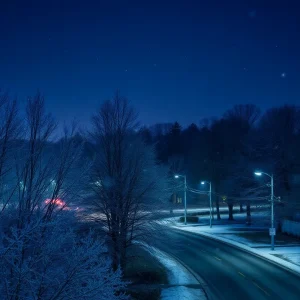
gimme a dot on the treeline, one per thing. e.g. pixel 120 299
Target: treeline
pixel 227 151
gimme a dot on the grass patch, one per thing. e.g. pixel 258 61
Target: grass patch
pixel 151 294
pixel 143 268
pixel 189 219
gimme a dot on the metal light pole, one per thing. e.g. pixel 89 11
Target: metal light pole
pixel 272 229
pixel 185 212
pixel 272 212
pixel 210 204
pixel 185 188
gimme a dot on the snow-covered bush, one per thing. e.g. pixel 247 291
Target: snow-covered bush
pixel 47 260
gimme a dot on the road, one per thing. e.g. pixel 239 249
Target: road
pixel 230 273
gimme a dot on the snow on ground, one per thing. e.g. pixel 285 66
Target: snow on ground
pixel 243 240
pixel 181 293
pixel 284 256
pixel 261 217
pixel 177 275
pixel 203 209
pixel 289 254
pixel 217 229
pixel 292 257
pixel 168 221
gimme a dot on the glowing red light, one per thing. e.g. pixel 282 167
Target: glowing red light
pixel 56 201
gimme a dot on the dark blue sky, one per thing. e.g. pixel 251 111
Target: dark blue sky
pixel 175 60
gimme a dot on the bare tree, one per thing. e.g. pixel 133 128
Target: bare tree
pixel 249 113
pixel 125 177
pixel 243 117
pixel 279 139
pixel 33 168
pixel 41 254
pixel 9 132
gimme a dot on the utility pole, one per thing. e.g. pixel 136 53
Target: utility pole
pixel 185 188
pixel 272 230
pixel 272 211
pixel 210 204
pixel 210 222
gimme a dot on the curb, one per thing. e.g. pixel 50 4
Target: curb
pixel 203 284
pixel 246 250
pixel 197 277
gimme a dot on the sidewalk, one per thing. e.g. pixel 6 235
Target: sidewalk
pixel 254 240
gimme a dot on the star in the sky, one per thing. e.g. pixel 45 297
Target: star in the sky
pixel 283 75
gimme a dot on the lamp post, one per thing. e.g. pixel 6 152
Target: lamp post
pixel 185 188
pixel 210 205
pixel 272 231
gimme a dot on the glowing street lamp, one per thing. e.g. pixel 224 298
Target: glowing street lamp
pixel 272 231
pixel 210 205
pixel 185 188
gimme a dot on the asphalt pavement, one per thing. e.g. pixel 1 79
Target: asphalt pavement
pixel 230 273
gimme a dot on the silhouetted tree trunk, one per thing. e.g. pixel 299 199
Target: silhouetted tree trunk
pixel 218 208
pixel 230 211
pixel 248 210
pixel 241 207
pixel 248 214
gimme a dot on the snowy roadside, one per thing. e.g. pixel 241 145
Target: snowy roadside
pixel 260 218
pixel 179 277
pixel 287 257
pixel 181 293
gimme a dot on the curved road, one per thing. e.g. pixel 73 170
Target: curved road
pixel 228 272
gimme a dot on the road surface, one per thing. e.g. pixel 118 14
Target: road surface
pixel 230 273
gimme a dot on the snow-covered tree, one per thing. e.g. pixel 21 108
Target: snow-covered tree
pixel 43 254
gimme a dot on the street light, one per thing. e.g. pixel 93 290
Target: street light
pixel 272 232
pixel 184 177
pixel 210 206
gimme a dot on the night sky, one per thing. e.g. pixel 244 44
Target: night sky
pixel 175 60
